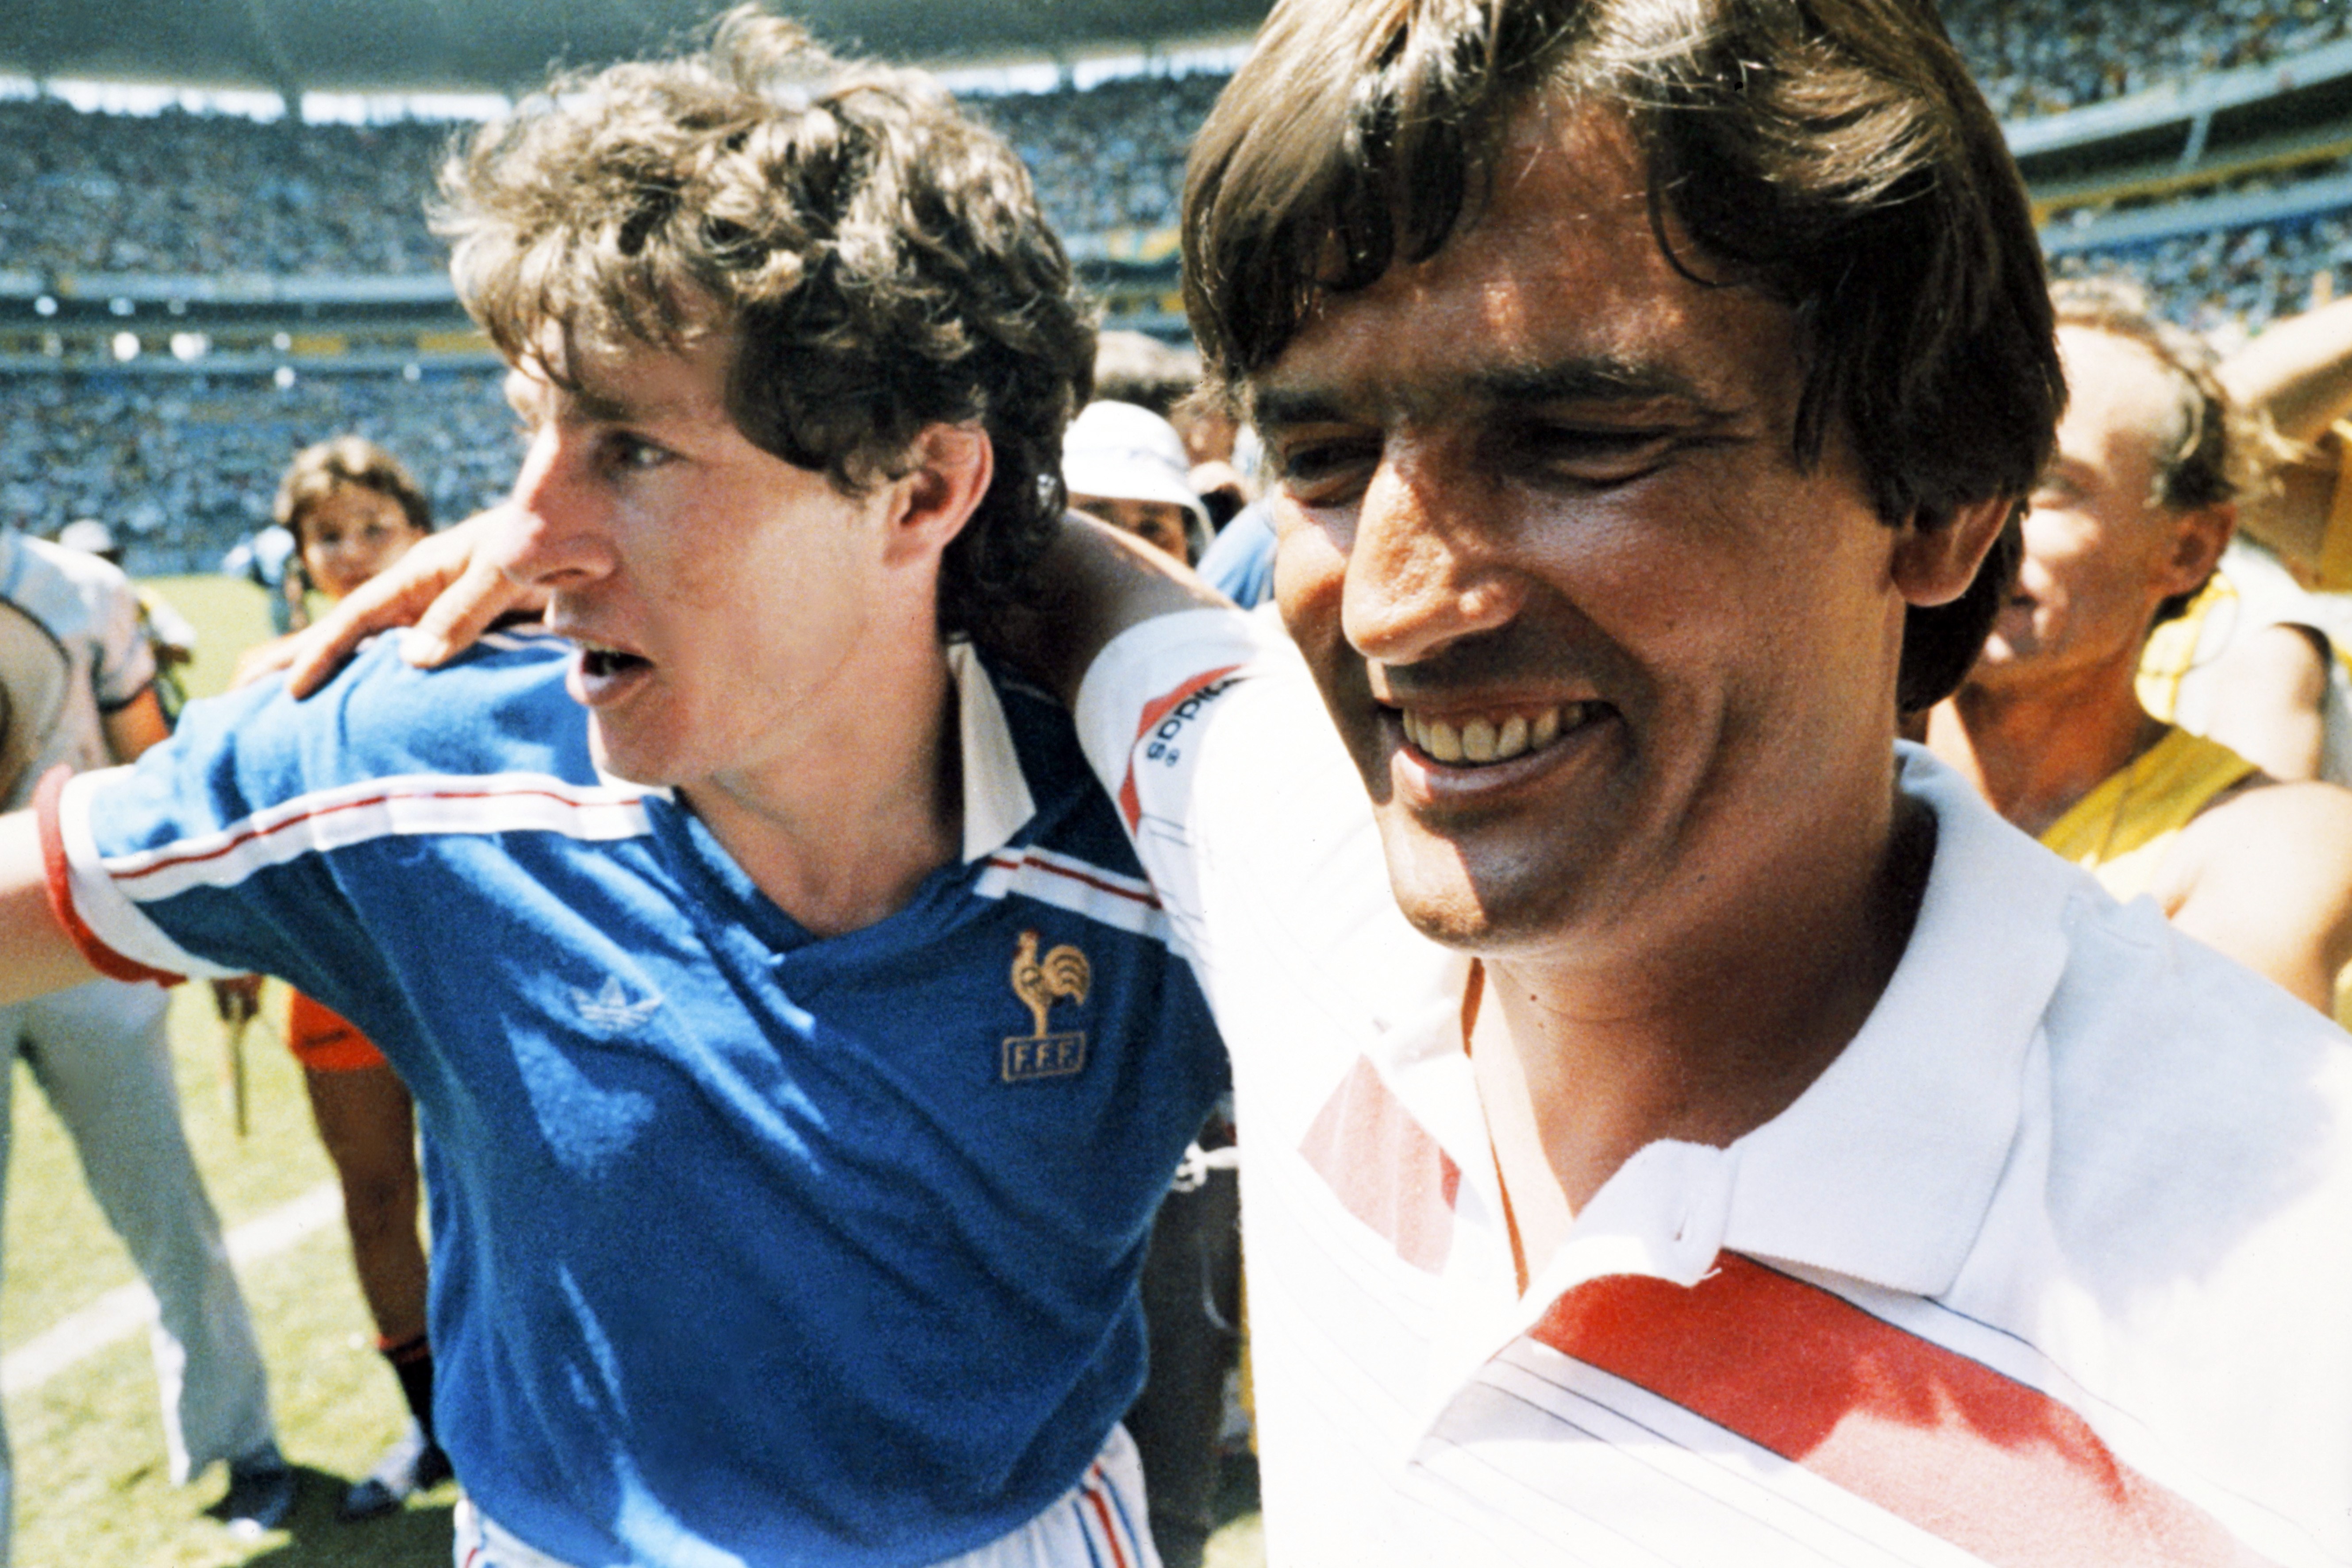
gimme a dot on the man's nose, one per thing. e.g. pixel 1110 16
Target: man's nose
pixel 551 534
pixel 1424 564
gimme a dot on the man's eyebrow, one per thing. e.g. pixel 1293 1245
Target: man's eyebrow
pixel 1585 379
pixel 606 408
pixel 1281 405
pixel 1590 379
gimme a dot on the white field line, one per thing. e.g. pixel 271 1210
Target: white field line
pixel 127 1309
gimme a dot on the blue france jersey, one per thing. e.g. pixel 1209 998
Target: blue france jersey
pixel 747 1245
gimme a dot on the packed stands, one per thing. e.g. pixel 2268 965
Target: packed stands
pixel 2232 282
pixel 182 468
pixel 183 463
pixel 182 194
pixel 1109 157
pixel 179 193
pixel 2042 57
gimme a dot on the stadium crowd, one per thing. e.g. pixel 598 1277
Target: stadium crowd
pixel 190 194
pixel 1111 156
pixel 2044 56
pixel 180 193
pixel 2231 282
pixel 182 468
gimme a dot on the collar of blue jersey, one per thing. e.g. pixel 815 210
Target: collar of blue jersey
pixel 996 800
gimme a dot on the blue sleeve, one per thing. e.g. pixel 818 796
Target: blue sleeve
pixel 1240 564
pixel 236 765
pixel 248 838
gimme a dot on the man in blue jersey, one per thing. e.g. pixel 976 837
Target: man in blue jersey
pixel 800 1044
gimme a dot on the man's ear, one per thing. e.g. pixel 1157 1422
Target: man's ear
pixel 2203 533
pixel 947 474
pixel 1935 565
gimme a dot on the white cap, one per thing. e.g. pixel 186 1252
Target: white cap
pixel 87 534
pixel 1121 452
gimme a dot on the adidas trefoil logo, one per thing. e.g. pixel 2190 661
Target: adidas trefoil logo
pixel 611 1009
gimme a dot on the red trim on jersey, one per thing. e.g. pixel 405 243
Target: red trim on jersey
pixel 253 834
pixel 1385 1168
pixel 1004 862
pixel 1094 1490
pixel 1944 1442
pixel 1130 804
pixel 59 875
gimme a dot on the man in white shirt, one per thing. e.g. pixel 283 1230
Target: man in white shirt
pixel 80 687
pixel 1733 1144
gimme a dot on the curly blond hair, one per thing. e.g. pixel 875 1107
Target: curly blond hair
pixel 880 259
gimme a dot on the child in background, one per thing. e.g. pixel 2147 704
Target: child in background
pixel 353 509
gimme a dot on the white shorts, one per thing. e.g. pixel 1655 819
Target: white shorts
pixel 1097 1523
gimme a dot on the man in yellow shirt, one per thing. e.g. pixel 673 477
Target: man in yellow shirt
pixel 2122 533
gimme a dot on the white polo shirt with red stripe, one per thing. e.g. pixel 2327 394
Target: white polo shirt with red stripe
pixel 748 1245
pixel 2052 1265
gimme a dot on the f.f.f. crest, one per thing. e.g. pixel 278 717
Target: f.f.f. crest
pixel 1040 981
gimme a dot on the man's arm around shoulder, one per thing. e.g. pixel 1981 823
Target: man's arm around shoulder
pixel 2264 876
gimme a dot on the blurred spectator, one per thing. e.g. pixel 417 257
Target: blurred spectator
pixel 1240 564
pixel 265 559
pixel 352 509
pixel 1127 465
pixel 2123 530
pixel 81 686
pixel 1138 368
pixel 170 636
pixel 1225 454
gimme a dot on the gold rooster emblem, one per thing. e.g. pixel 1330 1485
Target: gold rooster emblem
pixel 1039 981
pixel 1063 972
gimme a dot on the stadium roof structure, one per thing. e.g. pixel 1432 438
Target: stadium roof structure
pixel 290 47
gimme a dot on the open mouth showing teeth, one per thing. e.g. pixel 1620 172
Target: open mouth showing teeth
pixel 604 661
pixel 1497 739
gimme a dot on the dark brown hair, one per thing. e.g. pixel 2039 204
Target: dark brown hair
pixel 879 258
pixel 1833 154
pixel 318 472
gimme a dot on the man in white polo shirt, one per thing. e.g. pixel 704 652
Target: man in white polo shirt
pixel 1730 1143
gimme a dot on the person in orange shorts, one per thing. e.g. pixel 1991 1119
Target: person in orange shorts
pixel 353 509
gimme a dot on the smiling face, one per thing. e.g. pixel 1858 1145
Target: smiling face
pixel 2101 552
pixel 1601 650
pixel 732 610
pixel 350 535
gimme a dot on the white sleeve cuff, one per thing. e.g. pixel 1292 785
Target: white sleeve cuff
pixel 109 915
